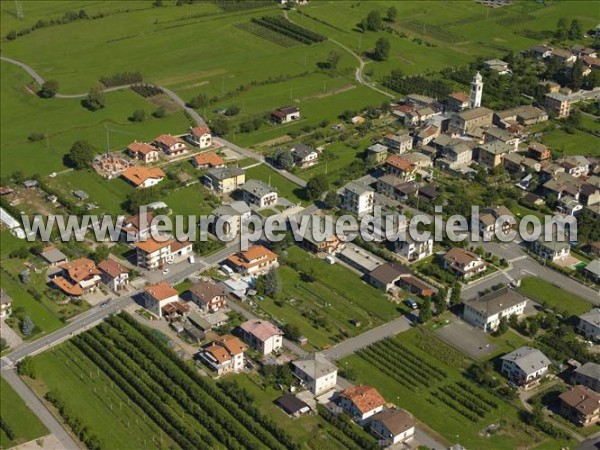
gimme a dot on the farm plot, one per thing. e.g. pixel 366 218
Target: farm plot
pixel 168 393
pixel 431 385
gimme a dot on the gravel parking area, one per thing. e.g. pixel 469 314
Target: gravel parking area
pixel 472 341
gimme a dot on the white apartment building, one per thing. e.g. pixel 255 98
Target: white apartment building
pixel 486 312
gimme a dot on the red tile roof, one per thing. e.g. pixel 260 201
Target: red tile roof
pixel 138 175
pixel 140 147
pixel 399 163
pixel 161 291
pixel 112 268
pixel 365 398
pixel 209 159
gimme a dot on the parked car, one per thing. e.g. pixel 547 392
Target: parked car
pixel 411 303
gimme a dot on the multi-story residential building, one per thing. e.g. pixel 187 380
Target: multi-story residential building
pixel 232 216
pixel 225 355
pixel 304 156
pixel 550 250
pixel 458 101
pixel 257 259
pixel 414 250
pixel 377 152
pixel 208 295
pixel 138 227
pixel 463 263
pixel 495 134
pixel 456 155
pixel 200 136
pixel 490 155
pixel 575 165
pixel 525 366
pixel 400 167
pixel 393 426
pixel 259 193
pixel 170 145
pixel 494 221
pixel 539 152
pixel 142 152
pixel 358 199
pixel 225 179
pixel 589 324
pixel 361 402
pixel 559 104
pixel 316 372
pixel 580 405
pixel 153 254
pixel 157 296
pixel 486 312
pixel 398 143
pixel 262 336
pixel 588 375
pixel 113 274
pixel 77 277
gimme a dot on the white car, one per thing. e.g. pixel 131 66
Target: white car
pixel 165 271
pixel 52 175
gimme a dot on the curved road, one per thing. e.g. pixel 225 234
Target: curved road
pixel 40 80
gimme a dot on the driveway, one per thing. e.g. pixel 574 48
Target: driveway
pixel 12 338
pixel 472 341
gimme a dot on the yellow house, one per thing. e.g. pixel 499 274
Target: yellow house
pixel 225 179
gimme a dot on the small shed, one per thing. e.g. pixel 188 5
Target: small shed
pixel 292 405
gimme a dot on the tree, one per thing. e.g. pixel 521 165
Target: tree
pixel 332 200
pixel 233 110
pixel 576 81
pixel 455 296
pixel 48 89
pixel 392 14
pixel 199 101
pixel 26 367
pixel 425 311
pixel 562 31
pixel 220 126
pixel 382 49
pixel 291 331
pixel 374 21
pixel 272 283
pixel 27 326
pixel 439 299
pixel 502 326
pixel 333 58
pixel 316 186
pixel 81 155
pixel 139 115
pixel 282 158
pixel 575 30
pixel 3 344
pixel 95 99
pixel 160 112
pixel 100 253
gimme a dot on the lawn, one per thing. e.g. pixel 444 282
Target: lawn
pixel 285 187
pixel 109 195
pixel 65 121
pixel 323 309
pixel 419 400
pixel 92 397
pixel 553 296
pixel 43 317
pixel 191 200
pixel 19 418
pixel 577 143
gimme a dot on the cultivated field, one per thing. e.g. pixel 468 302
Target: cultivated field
pixel 119 377
pixel 426 378
pixel 323 308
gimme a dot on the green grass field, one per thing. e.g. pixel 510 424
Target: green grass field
pixel 19 417
pixel 322 309
pixel 437 415
pixel 43 317
pixel 548 294
pixel 578 143
pixel 191 200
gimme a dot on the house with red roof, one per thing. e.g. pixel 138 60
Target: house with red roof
pixel 142 152
pixel 225 355
pixel 209 295
pixel 170 145
pixel 157 296
pixel 113 274
pixel 208 160
pixel 143 177
pixel 153 253
pixel 361 402
pixel 200 136
pixel 262 336
pixel 77 277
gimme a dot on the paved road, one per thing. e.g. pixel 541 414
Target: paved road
pixel 30 399
pixel 523 265
pixel 351 345
pixel 592 443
